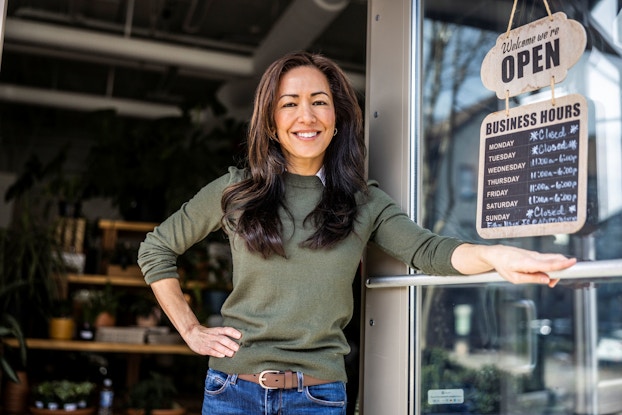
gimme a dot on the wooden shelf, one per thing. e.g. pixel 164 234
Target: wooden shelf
pixel 91 346
pixel 105 279
pixel 111 228
pixel 97 279
pixel 119 225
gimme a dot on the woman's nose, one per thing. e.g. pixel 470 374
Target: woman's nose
pixel 306 113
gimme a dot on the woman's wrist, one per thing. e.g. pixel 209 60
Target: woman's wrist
pixel 473 258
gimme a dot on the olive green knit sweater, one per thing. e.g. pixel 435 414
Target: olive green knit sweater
pixel 291 311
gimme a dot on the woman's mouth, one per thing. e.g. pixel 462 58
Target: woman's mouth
pixel 307 135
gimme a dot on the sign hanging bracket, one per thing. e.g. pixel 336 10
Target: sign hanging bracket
pixel 548 10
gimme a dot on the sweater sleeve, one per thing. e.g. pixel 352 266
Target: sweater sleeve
pixel 201 215
pixel 402 238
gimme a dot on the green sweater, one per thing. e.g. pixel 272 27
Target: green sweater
pixel 291 311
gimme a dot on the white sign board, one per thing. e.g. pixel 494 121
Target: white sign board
pixel 529 57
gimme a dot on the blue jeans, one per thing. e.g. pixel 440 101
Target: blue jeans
pixel 227 395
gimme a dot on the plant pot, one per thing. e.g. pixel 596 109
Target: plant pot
pixel 62 328
pixel 15 396
pixel 105 319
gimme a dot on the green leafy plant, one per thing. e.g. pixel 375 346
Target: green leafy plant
pixel 53 393
pixel 31 272
pixel 9 327
pixel 155 392
pixel 100 301
pixel 61 308
pixel 31 265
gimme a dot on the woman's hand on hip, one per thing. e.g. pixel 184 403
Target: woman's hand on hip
pixel 213 341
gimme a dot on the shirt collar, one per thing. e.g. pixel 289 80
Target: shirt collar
pixel 322 175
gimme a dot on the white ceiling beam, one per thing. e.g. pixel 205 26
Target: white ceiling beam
pixel 89 42
pixel 83 102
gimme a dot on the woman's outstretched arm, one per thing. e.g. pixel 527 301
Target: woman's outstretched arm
pixel 517 265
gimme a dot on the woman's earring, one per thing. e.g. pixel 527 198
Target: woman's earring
pixel 335 133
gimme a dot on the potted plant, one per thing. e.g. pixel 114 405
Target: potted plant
pixel 12 364
pixel 30 261
pixel 63 395
pixel 62 322
pixel 146 310
pixel 9 327
pixel 154 396
pixel 102 305
pixel 31 272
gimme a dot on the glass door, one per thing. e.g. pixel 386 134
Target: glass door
pixel 499 348
pixel 505 349
pixel 479 345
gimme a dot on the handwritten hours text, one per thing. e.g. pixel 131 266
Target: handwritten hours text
pixel 531 176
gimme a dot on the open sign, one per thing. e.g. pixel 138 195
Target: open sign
pixel 529 57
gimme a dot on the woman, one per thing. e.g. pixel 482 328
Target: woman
pixel 298 218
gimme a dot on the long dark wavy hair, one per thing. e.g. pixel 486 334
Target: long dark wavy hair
pixel 251 206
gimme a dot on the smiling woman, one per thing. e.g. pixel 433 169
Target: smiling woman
pixel 298 218
pixel 305 119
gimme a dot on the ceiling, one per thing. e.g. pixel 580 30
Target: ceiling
pixel 152 58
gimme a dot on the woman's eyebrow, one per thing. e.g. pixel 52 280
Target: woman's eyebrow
pixel 313 94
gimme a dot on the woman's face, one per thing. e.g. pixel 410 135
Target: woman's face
pixel 305 119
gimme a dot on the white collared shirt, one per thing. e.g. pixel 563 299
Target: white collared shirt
pixel 322 175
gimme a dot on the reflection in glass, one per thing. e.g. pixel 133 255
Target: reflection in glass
pixel 503 349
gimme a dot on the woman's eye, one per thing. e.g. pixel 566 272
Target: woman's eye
pixel 319 103
pixel 289 104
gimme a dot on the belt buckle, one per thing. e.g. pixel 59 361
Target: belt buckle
pixel 262 378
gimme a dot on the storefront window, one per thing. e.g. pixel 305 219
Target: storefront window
pixel 455 102
pixel 499 348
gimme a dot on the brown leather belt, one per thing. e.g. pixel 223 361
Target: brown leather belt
pixel 275 379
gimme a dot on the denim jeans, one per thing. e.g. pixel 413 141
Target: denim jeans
pixel 227 395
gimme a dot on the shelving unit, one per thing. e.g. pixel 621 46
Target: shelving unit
pixel 97 279
pixel 128 361
pixel 113 233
